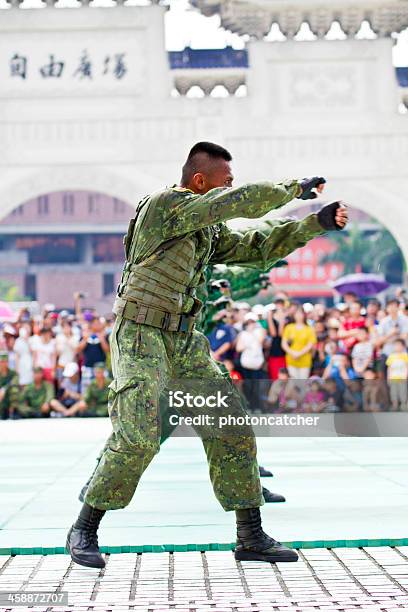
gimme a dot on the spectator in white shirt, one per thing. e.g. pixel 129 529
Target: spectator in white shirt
pixel 66 344
pixel 249 344
pixel 393 326
pixel 362 352
pixel 45 353
pixel 24 358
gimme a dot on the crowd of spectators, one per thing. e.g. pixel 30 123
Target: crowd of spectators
pixel 292 357
pixel 55 364
pixel 285 357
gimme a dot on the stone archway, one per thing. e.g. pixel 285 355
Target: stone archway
pixel 20 185
pixel 62 242
pixel 380 199
pixel 384 200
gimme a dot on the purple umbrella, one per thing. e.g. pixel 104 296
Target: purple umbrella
pixel 361 284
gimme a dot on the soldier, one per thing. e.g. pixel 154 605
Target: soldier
pixel 9 389
pixel 95 402
pixel 36 397
pixel 176 233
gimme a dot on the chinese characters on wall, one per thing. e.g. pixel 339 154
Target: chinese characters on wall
pixel 55 67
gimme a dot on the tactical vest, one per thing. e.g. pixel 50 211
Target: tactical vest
pixel 161 289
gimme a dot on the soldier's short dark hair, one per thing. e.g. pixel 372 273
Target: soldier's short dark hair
pixel 211 149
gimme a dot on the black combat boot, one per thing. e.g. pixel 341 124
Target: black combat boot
pixel 84 489
pixel 253 544
pixel 271 498
pixel 82 538
pixel 264 473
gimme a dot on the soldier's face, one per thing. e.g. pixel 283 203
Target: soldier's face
pixel 3 367
pixel 219 174
pixel 38 377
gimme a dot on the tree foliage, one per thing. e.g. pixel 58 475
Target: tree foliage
pixel 359 252
pixel 9 292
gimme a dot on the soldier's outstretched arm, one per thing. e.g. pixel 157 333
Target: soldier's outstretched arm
pixel 253 200
pixel 261 248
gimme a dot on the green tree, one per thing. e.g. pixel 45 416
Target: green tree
pixel 9 292
pixel 359 252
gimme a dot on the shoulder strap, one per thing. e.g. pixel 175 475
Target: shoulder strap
pixel 130 233
pixel 141 205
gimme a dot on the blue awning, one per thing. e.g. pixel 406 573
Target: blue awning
pixel 209 58
pixel 232 58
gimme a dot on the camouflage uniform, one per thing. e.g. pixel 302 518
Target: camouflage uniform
pixel 96 399
pixel 174 236
pixel 33 397
pixel 9 403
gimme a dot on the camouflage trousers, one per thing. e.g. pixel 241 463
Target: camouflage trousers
pixel 146 362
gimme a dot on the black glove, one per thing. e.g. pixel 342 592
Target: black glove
pixel 326 216
pixel 308 184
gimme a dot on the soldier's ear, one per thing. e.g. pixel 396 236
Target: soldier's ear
pixel 199 181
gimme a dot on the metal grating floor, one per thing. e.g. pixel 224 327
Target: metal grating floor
pixel 341 579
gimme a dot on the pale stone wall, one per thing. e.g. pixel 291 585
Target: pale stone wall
pixel 320 107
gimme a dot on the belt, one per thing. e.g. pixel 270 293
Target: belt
pixel 156 318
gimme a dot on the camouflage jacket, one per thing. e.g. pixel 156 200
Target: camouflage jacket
pixel 9 383
pixel 96 398
pixel 32 398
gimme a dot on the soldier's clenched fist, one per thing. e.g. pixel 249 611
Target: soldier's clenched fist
pixel 333 216
pixel 309 185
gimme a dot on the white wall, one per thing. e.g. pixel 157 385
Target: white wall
pixel 322 107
